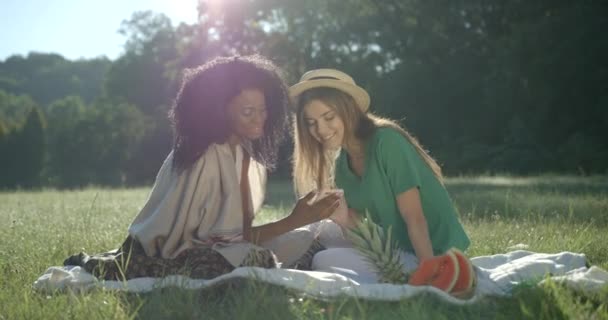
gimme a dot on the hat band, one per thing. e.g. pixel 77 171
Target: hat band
pixel 323 77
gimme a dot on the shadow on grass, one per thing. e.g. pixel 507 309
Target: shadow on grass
pixel 237 298
pixel 552 300
pixel 250 299
pixel 576 199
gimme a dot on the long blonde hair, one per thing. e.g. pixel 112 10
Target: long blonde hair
pixel 313 167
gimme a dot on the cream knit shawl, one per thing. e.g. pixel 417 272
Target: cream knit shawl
pixel 201 206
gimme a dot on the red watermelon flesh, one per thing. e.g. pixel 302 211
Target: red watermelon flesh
pixel 466 278
pixel 440 272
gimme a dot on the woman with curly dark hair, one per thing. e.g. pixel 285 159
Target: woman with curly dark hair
pixel 229 117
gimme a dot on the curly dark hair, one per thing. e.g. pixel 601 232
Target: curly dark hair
pixel 199 114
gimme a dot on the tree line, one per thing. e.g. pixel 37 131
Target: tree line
pixel 488 87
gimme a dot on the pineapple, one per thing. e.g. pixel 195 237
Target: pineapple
pixel 379 250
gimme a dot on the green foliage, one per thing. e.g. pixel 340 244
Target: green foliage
pixel 516 86
pixel 511 82
pixel 146 77
pixel 31 141
pixel 109 132
pixel 115 130
pixel 14 109
pixel 48 77
pixel 141 76
pixel 22 142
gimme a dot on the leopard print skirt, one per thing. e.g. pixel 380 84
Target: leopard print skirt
pixel 130 261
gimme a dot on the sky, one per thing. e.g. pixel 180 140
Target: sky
pixel 77 28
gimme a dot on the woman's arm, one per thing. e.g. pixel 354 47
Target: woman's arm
pixel 303 214
pixel 410 207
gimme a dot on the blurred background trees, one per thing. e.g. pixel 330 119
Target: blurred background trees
pixel 488 87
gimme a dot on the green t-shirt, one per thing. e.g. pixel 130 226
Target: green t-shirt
pixel 392 166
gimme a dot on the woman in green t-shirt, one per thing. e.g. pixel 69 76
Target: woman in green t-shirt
pixel 382 169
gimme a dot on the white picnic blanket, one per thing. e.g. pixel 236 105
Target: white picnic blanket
pixel 497 274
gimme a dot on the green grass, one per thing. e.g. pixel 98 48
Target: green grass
pixel 548 213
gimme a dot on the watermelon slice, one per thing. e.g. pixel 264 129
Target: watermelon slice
pixel 467 279
pixel 440 272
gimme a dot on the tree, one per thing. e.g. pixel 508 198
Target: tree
pixel 31 150
pixel 23 152
pixel 17 112
pixel 116 130
pixel 48 77
pixel 514 86
pixel 140 75
pixel 4 151
pixel 14 109
pixel 68 152
pixel 147 77
pixel 92 144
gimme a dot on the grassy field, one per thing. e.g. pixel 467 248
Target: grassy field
pixel 548 213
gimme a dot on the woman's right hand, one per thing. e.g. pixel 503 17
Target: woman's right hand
pixel 306 213
pixel 346 218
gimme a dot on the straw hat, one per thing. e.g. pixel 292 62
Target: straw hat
pixel 331 78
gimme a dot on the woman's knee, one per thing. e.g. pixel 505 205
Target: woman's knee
pixel 332 257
